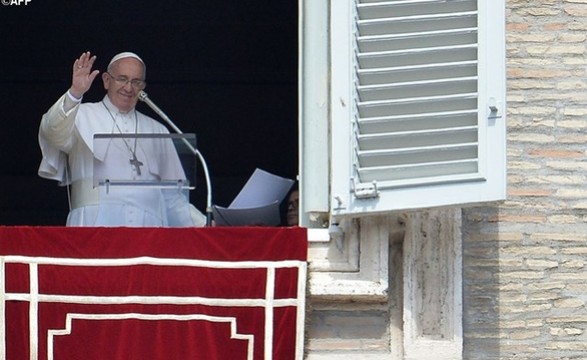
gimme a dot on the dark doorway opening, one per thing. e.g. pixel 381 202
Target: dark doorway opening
pixel 224 70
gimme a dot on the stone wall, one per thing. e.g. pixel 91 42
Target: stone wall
pixel 524 261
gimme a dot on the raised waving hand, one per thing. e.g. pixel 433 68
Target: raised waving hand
pixel 83 75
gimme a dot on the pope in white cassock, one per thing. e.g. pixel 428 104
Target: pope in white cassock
pixel 70 154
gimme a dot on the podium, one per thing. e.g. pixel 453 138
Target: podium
pixel 151 172
pixel 161 161
pixel 152 293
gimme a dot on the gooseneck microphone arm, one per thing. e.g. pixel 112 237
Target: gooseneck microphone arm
pixel 145 98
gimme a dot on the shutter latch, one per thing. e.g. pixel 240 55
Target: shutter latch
pixel 365 190
pixel 495 108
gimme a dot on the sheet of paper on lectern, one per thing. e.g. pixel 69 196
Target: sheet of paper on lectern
pixel 257 203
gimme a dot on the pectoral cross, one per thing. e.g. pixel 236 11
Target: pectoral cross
pixel 136 163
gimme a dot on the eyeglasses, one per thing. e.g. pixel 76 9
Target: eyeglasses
pixel 123 80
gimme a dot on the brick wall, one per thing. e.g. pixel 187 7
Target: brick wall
pixel 524 260
pixel 525 285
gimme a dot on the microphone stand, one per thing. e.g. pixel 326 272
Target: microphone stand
pixel 145 98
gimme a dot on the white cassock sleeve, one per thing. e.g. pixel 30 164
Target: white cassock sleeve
pixel 55 139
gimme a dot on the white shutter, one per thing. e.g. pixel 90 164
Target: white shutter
pixel 418 90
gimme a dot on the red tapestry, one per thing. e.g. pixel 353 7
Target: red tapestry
pixel 152 293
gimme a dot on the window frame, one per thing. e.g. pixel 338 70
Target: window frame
pixel 326 187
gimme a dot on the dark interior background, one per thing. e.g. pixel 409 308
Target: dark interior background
pixel 225 70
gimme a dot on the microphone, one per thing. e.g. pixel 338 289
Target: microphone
pixel 145 98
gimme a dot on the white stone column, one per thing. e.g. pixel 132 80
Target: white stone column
pixel 433 286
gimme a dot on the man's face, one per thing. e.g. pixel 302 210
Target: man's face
pixel 121 83
pixel 292 208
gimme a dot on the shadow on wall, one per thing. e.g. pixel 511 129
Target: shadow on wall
pixel 481 283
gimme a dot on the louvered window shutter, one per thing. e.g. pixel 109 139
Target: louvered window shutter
pixel 417 104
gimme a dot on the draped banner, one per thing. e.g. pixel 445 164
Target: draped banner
pixel 152 293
